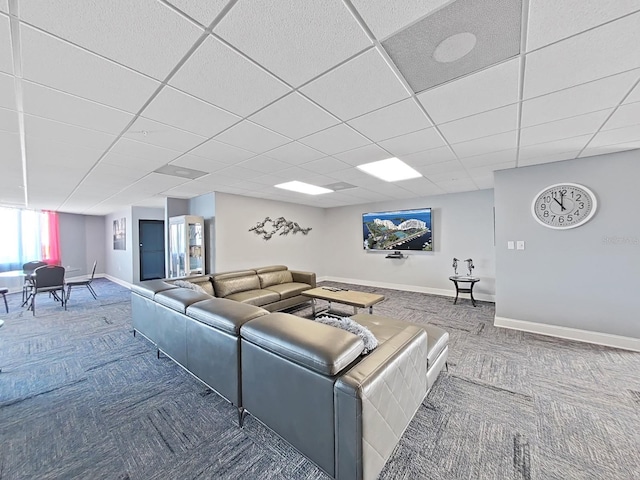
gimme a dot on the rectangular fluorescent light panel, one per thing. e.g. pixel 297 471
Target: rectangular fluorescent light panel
pixel 390 170
pixel 302 187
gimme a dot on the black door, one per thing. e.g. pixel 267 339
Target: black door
pixel 151 249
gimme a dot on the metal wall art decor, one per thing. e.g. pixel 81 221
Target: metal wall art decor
pixel 280 225
pixel 470 266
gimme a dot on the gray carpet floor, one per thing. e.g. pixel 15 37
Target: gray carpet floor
pixel 80 397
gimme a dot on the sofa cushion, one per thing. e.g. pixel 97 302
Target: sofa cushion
pixel 271 268
pixel 255 297
pixel 224 314
pixel 288 290
pixel 321 348
pixel 275 278
pixel 149 288
pixel 229 283
pixel 179 298
pixel 205 283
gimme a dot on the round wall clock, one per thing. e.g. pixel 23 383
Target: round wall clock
pixel 564 205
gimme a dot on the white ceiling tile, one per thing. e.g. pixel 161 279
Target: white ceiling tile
pixel 569 127
pixel 4 6
pixel 368 153
pixel 614 137
pixel 62 66
pixel 127 151
pixel 199 163
pixel 187 190
pixel 392 121
pixel 384 17
pixel 54 105
pixel 217 74
pixel 496 121
pixel 485 90
pixel 294 40
pixel 589 97
pixel 327 165
pixel 144 35
pixel 268 180
pixel 295 153
pixel 634 96
pixel 183 111
pixel 458 185
pixel 203 12
pixel 36 127
pixel 550 20
pixel 153 183
pixel 58 163
pixel 359 86
pixel 6 57
pixel 626 115
pixel 419 186
pixel 221 152
pixel 108 177
pixel 7 92
pixel 9 121
pixel 252 137
pixel 413 142
pixel 552 148
pixel 488 169
pixel 335 140
pixel 480 146
pixel 483 181
pixel 265 164
pixel 294 116
pixel 622 147
pixel 240 173
pixel 428 157
pixel 597 53
pixel 160 135
pixel 548 158
pixel 492 158
pixel 450 166
pixel 11 183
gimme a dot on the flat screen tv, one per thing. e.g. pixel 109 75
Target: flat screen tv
pixel 398 230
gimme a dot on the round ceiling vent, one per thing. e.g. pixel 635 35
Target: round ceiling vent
pixel 454 47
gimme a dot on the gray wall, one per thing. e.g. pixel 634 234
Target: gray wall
pixel 462 226
pixel 82 241
pixel 118 263
pixel 584 278
pixel 237 248
pixel 205 206
pixel 137 214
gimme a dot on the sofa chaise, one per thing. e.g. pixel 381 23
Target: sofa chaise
pixel 307 381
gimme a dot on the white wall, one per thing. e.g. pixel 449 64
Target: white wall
pixel 205 206
pixel 585 278
pixel 237 247
pixel 462 225
pixel 118 263
pixel 82 242
pixel 137 214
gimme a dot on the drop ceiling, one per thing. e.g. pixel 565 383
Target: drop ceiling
pixel 95 97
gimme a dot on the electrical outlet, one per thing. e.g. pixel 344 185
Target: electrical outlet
pixel 520 245
pixel 511 245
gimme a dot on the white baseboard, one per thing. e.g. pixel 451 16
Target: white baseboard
pixel 119 281
pixel 407 288
pixel 599 338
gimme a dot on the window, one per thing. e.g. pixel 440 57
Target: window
pixel 28 235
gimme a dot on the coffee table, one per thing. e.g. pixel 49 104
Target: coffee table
pixel 345 297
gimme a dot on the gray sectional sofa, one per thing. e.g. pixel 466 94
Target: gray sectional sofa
pixel 309 382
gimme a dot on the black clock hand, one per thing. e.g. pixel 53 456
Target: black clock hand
pixel 562 201
pixel 556 200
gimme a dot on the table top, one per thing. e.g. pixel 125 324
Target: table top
pixel 22 273
pixel 464 278
pixel 346 297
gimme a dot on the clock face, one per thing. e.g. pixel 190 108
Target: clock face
pixel 564 205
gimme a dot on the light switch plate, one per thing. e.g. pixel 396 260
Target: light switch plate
pixel 520 245
pixel 511 245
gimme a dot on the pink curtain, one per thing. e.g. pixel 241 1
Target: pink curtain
pixel 50 238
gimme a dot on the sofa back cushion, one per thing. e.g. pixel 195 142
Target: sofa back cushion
pixel 275 278
pixel 227 283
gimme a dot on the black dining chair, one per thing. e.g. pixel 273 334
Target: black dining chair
pixel 3 292
pixel 28 269
pixel 49 278
pixel 86 283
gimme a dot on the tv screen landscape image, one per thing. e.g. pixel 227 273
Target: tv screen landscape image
pixel 398 230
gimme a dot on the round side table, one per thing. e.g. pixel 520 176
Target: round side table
pixel 464 279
